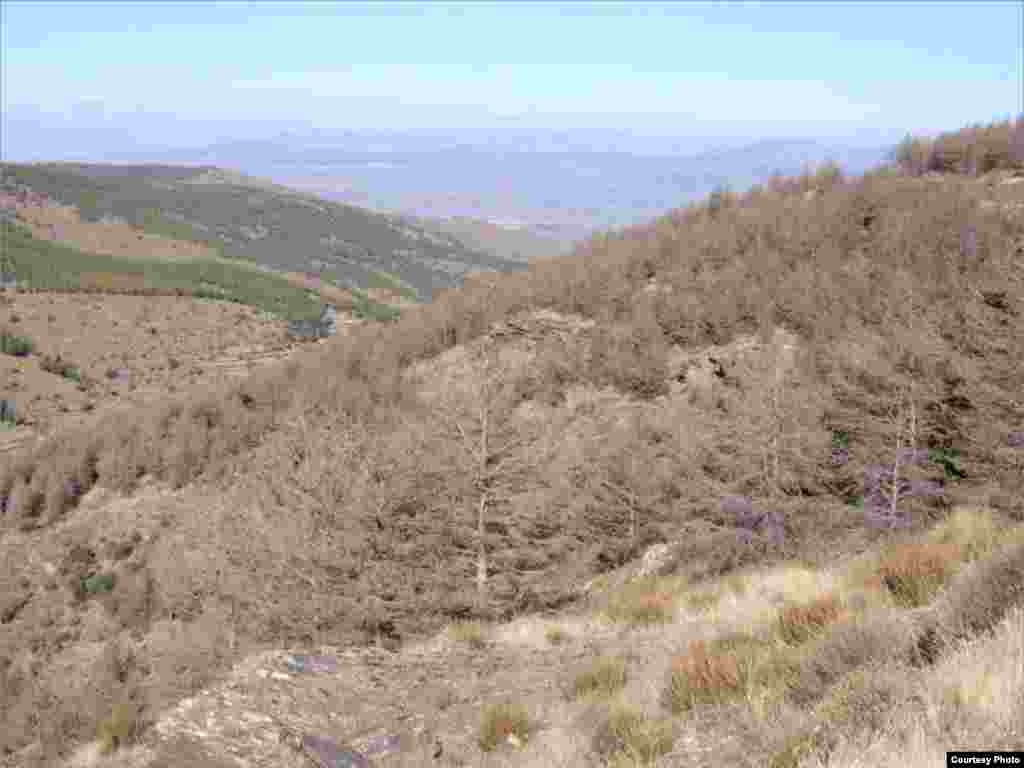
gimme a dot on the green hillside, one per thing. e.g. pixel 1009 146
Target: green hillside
pixel 249 219
pixel 41 265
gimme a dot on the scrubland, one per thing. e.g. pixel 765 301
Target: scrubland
pixel 746 482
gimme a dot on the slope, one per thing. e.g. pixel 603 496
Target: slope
pixel 811 372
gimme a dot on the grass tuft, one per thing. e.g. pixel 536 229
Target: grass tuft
pixel 500 722
pixel 798 623
pixel 981 596
pixel 972 531
pixel 913 573
pixel 699 602
pixel 605 677
pixel 556 636
pixel 470 633
pixel 641 603
pixel 117 730
pixel 724 670
pixel 630 740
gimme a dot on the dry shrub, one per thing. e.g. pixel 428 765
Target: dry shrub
pixel 124 458
pixel 845 255
pixel 799 623
pixel 864 701
pixel 629 740
pixel 981 595
pixel 973 532
pixel 501 721
pixel 100 698
pixel 184 656
pixel 470 633
pixel 119 729
pixel 795 750
pixel 603 678
pixel 861 705
pixel 556 636
pixel 978 149
pixel 847 646
pixel 555 368
pixel 914 572
pixel 633 358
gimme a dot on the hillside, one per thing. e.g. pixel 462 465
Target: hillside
pixel 243 218
pixel 743 485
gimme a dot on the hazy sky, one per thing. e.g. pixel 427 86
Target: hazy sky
pixel 191 71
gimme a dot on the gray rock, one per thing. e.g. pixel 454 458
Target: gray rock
pixel 328 754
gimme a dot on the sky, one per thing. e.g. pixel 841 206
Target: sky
pixel 189 72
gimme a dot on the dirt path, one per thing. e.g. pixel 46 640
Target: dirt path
pixel 417 707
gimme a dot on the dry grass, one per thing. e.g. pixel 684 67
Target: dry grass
pixel 469 633
pixel 504 723
pixel 116 731
pixel 701 601
pixel 643 602
pixel 556 636
pixel 799 623
pixel 865 699
pixel 913 573
pixel 972 697
pixel 630 740
pixel 984 593
pixel 730 668
pixel 872 638
pixel 603 678
pixel 973 531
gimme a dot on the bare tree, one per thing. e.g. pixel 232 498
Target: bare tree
pixel 481 417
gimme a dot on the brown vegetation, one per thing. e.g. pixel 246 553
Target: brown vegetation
pixel 790 372
pixel 799 623
pixel 972 151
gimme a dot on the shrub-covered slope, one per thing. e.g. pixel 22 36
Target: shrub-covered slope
pixel 803 372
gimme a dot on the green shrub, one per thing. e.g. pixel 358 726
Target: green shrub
pixel 8 414
pixel 18 346
pixel 99 583
pixel 59 367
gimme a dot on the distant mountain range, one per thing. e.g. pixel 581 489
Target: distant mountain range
pixel 556 190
